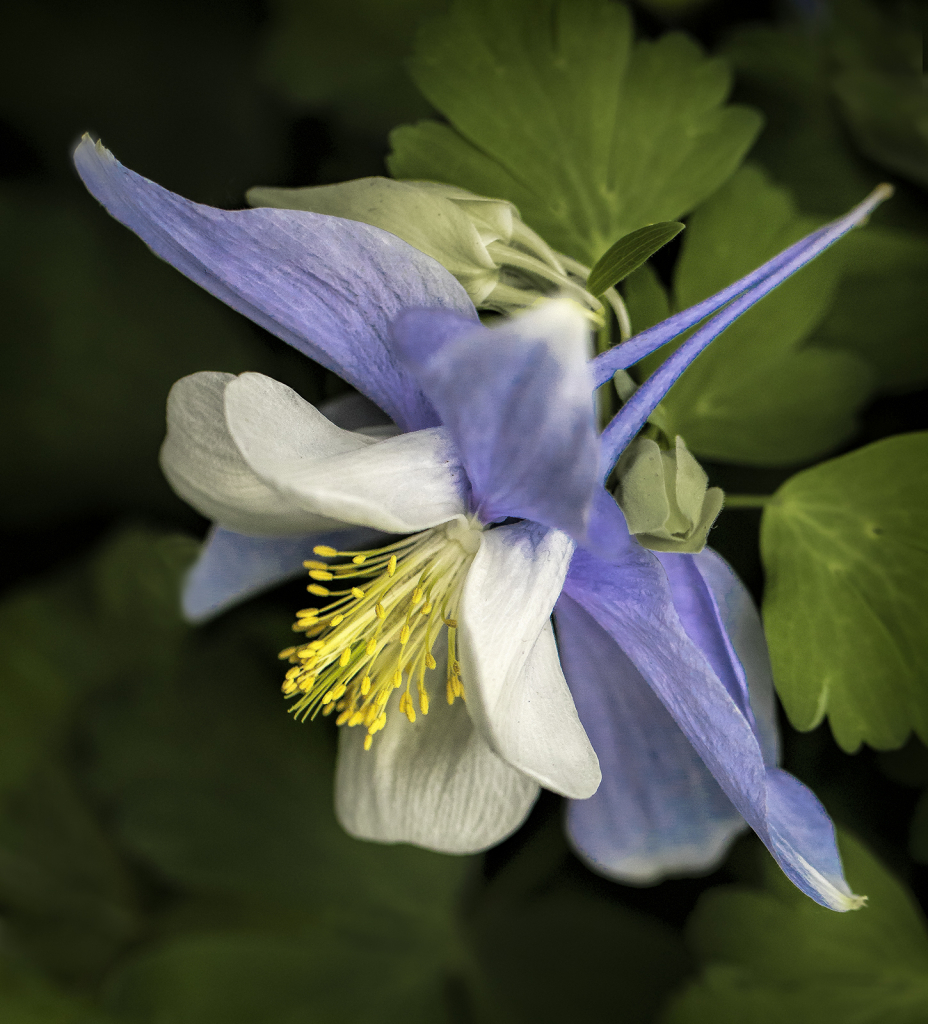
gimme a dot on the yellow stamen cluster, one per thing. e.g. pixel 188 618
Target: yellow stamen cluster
pixel 379 631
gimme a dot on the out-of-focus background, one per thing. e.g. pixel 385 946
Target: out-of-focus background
pixel 168 853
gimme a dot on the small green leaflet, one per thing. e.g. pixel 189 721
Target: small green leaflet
pixel 845 550
pixel 772 955
pixel 629 253
pixel 554 107
pixel 759 395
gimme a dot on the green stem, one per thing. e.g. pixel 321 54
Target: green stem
pixel 747 500
pixel 606 398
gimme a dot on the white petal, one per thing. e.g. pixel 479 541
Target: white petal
pixel 203 465
pixel 512 677
pixel 399 485
pixel 433 782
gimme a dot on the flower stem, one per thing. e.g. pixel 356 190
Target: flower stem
pixel 747 500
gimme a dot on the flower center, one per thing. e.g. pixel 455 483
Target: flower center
pixel 378 633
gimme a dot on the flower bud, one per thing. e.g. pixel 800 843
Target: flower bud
pixel 501 263
pixel 665 498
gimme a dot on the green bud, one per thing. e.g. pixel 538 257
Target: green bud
pixel 665 498
pixel 502 264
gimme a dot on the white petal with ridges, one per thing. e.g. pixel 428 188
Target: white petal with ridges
pixel 203 464
pixel 433 782
pixel 516 691
pixel 401 484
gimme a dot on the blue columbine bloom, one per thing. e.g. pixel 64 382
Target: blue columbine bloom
pixel 488 463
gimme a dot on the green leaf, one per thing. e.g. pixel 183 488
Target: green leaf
pixel 879 312
pixel 760 395
pixel 880 86
pixel 67 897
pixel 552 106
pixel 773 956
pixel 629 253
pixel 846 563
pixel 347 58
pixel 28 998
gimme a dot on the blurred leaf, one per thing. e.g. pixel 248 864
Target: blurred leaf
pixel 879 312
pixel 554 108
pixel 803 144
pixel 774 955
pixel 846 564
pixel 168 84
pixel 758 395
pixel 65 893
pixel 348 58
pixel 646 298
pixel 97 330
pixel 629 253
pixel 880 84
pixel 333 976
pixel 28 998
pixel 49 659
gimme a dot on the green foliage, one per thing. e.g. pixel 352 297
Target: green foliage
pixel 774 956
pixel 759 394
pixel 28 998
pixel 347 57
pixel 880 85
pixel 629 253
pixel 555 108
pixel 844 552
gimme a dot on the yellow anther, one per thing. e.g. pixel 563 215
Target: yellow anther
pixel 292 673
pixel 368 741
pixel 328 698
pixel 315 565
pixel 325 551
pixel 345 658
pixel 404 698
pixel 449 692
pixel 404 635
pixel 357 592
pixel 359 559
pixel 365 686
pixel 371 715
pixel 423 702
pixel 316 645
pixel 306 684
pixel 430 661
pixel 380 611
pixel 289 687
pixel 391 566
pixel 410 711
pixel 383 696
pixel 381 721
pixel 417 595
pixel 327 709
pixel 319 591
pixel 287 652
pixel 321 574
pixel 397 679
pixel 343 717
pixel 451 623
pixel 371 647
pixel 338 691
pixel 356 719
pixel 426 608
pixel 337 620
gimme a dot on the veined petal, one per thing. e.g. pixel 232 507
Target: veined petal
pixel 658 811
pixel 632 601
pixel 433 782
pixel 401 484
pixel 329 287
pixel 205 467
pixel 517 400
pixel 752 287
pixel 232 567
pixel 741 622
pixel 515 689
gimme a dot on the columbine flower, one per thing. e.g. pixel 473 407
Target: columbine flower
pixel 663 652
